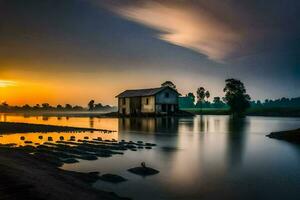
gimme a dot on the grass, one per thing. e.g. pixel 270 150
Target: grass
pixel 208 111
pixel 256 111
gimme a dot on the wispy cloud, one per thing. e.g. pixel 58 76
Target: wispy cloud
pixel 184 25
pixel 5 83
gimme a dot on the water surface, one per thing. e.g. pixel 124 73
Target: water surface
pixel 208 157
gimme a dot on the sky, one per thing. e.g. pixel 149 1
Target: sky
pixel 72 51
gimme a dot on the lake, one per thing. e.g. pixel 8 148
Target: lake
pixel 201 157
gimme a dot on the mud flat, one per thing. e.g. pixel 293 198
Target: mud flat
pixel 14 127
pixel 32 172
pixel 25 176
pixel 290 135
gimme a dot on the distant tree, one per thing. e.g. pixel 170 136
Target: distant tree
pixel 258 103
pixel 37 107
pixel 45 106
pixel 191 96
pixel 98 106
pixel 26 107
pixel 218 103
pixel 4 104
pixel 168 84
pixel 200 96
pixel 68 107
pixel 77 108
pixel 59 107
pixel 236 96
pixel 217 100
pixel 4 107
pixel 207 94
pixel 91 105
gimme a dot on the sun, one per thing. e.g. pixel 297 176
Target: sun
pixel 5 83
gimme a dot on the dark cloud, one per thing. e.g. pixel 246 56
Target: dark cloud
pixel 217 29
pixel 256 41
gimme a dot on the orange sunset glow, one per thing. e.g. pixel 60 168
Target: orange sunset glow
pixel 149 99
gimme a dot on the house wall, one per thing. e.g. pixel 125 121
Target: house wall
pixel 150 107
pixel 161 98
pixel 123 106
pixel 135 105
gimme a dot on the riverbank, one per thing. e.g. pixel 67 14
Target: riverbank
pixel 290 135
pixel 63 114
pixel 16 127
pixel 24 176
pixel 266 112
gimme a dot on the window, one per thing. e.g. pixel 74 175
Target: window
pixel 167 94
pixel 147 101
pixel 124 101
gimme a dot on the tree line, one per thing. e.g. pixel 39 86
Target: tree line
pixel 277 103
pixel 236 98
pixel 5 107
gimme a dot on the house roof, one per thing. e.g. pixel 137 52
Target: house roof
pixel 143 92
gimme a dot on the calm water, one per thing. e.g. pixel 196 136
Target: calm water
pixel 209 157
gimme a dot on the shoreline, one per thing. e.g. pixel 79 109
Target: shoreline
pixel 289 135
pixel 183 113
pixel 18 127
pixel 24 176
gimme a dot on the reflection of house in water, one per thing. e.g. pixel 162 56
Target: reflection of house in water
pixel 91 122
pixel 162 100
pixel 158 124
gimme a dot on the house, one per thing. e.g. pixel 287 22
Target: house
pixel 162 100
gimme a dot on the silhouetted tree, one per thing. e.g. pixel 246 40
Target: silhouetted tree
pixel 68 107
pixel 200 96
pixel 98 106
pixel 236 97
pixel 26 107
pixel 37 107
pixel 46 106
pixel 77 108
pixel 192 96
pixel 207 94
pixel 218 103
pixel 217 100
pixel 91 105
pixel 168 84
pixel 59 107
pixel 4 107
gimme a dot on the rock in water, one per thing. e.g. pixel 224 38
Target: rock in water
pixel 112 178
pixel 143 171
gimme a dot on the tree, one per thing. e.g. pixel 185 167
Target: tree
pixel 191 96
pixel 217 100
pixel 68 107
pixel 45 106
pixel 218 103
pixel 200 95
pixel 236 96
pixel 98 106
pixel 37 107
pixel 59 107
pixel 168 84
pixel 207 94
pixel 91 105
